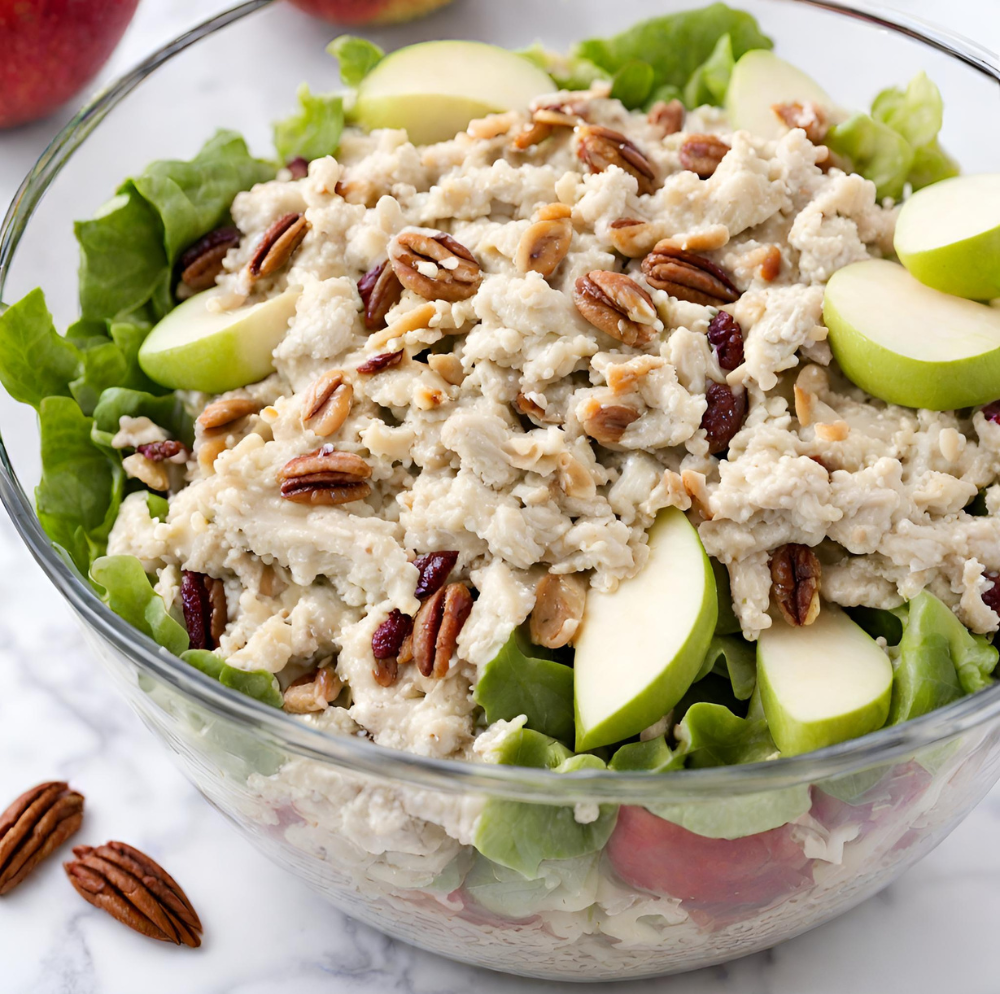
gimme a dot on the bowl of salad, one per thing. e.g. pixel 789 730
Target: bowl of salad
pixel 543 487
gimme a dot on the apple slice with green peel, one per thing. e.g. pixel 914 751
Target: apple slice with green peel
pixel 759 81
pixel 196 347
pixel 909 344
pixel 823 683
pixel 642 645
pixel 948 236
pixel 435 88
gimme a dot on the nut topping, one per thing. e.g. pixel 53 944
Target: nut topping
pixel 222 413
pixel 377 363
pixel 600 148
pixel 148 471
pixel 669 117
pixel 534 411
pixel 380 291
pixel 434 266
pixel 543 246
pixel 795 576
pixel 433 569
pixel 724 415
pixel 33 827
pixel 688 277
pixel 312 692
pixel 607 424
pixel 276 246
pixel 702 154
pixel 327 403
pixel 203 599
pixel 726 336
pixel 544 120
pixel 618 306
pixel 436 628
pixel 133 889
pixel 169 450
pixel 387 641
pixel 325 477
pixel 810 117
pixel 558 611
pixel 201 264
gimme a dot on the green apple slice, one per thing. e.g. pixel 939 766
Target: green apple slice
pixel 196 347
pixel 642 646
pixel 906 343
pixel 759 81
pixel 948 236
pixel 822 684
pixel 434 89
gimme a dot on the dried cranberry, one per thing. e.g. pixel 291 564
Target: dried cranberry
pixel 388 637
pixel 991 598
pixel 434 568
pixel 298 167
pixel 726 336
pixel 163 451
pixel 203 599
pixel 992 412
pixel 724 415
pixel 379 362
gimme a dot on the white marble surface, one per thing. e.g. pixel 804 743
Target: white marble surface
pixel 266 933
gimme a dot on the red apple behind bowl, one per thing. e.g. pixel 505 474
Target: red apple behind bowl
pixel 368 11
pixel 50 48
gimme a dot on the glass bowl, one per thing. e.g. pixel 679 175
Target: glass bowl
pixel 386 835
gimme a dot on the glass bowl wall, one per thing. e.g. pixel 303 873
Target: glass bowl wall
pixel 386 835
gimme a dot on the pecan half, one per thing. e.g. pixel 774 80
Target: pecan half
pixel 617 305
pixel 222 413
pixel 33 827
pixel 669 117
pixel 687 276
pixel 808 116
pixel 534 411
pixel 600 148
pixel 169 450
pixel 433 569
pixel 325 477
pixel 795 577
pixel 298 167
pixel 380 291
pixel 544 121
pixel 203 599
pixel 312 692
pixel 558 611
pixel 702 154
pixel 543 246
pixel 724 415
pixel 434 266
pixel 201 264
pixel 387 641
pixel 277 245
pixel 327 403
pixel 384 360
pixel 436 628
pixel 136 891
pixel 726 336
pixel 607 424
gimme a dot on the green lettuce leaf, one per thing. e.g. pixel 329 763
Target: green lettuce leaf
pixel 938 660
pixel 727 623
pixel 632 83
pixel 131 596
pixel 357 57
pixel 258 684
pixel 931 164
pixel 711 735
pixel 733 657
pixel 675 46
pixel 35 360
pixel 915 113
pixel 709 82
pixel 314 130
pixel 515 683
pixel 80 490
pixel 167 411
pixel 128 249
pixel 651 756
pixel 880 624
pixel 157 505
pixel 521 836
pixel 876 151
pixel 568 72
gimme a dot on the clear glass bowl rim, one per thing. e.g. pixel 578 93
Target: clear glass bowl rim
pixel 365 757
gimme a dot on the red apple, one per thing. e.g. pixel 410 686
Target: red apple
pixel 900 788
pixel 368 11
pixel 50 48
pixel 722 875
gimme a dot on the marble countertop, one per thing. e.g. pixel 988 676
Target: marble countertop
pixel 267 933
